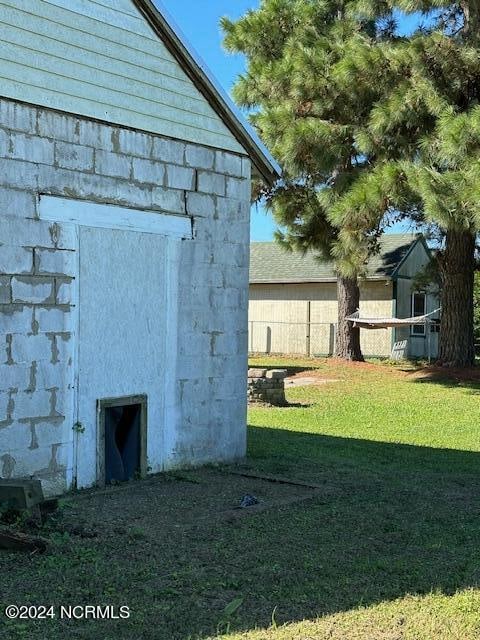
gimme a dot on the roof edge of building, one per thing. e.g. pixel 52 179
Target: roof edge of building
pixel 165 26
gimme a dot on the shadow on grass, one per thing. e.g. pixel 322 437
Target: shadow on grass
pixel 468 387
pixel 450 378
pixel 392 520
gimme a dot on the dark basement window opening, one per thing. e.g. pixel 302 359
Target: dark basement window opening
pixel 122 438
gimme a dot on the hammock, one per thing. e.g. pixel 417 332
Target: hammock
pixel 385 323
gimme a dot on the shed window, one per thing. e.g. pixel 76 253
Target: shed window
pixel 419 308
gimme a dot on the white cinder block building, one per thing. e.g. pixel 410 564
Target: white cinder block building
pixel 124 246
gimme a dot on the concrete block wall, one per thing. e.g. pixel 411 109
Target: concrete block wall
pixel 45 152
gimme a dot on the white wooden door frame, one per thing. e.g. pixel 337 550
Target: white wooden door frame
pixel 76 213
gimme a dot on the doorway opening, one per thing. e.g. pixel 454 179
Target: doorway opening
pixel 123 426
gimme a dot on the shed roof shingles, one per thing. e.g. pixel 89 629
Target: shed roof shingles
pixel 269 262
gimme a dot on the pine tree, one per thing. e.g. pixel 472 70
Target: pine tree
pixel 308 116
pixel 424 141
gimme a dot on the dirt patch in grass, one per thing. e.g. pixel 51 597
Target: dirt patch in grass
pixel 301 380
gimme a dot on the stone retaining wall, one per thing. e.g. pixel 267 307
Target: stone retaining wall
pixel 267 386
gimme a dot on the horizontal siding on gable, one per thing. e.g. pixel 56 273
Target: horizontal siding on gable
pixel 85 57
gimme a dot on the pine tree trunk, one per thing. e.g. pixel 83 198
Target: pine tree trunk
pixel 456 330
pixel 348 337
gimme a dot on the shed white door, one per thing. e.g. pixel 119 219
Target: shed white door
pixel 121 333
pixel 126 308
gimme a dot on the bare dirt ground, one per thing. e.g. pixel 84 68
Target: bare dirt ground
pixel 176 501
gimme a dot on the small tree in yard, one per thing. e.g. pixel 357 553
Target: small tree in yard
pixel 424 135
pixel 310 118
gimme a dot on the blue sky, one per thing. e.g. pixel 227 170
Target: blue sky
pixel 199 21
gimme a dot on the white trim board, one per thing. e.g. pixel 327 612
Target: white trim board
pixel 107 216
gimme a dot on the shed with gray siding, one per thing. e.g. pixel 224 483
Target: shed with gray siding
pixel 124 246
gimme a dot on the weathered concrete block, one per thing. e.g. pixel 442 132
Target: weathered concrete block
pixel 228 209
pixel 19 174
pixel 225 298
pixel 94 134
pixel 42 461
pixel 73 156
pixel 14 376
pixel 31 148
pixel 246 169
pixel 199 157
pixel 169 200
pixel 135 143
pixel 228 163
pixel 200 204
pixel 4 143
pixel 20 204
pixel 277 374
pixel 180 177
pixel 225 344
pixel 131 195
pixel 63 236
pixel 168 150
pixel 53 319
pixel 51 376
pixel 231 254
pixel 257 373
pixel 15 437
pixel 235 232
pixel 5 290
pixel 32 405
pixel 27 348
pixel 52 432
pixel 209 182
pixel 32 289
pixel 195 344
pixel 239 189
pixel 4 406
pixel 16 319
pixel 113 164
pixel 148 171
pixel 20 494
pixel 63 349
pixel 55 262
pixel 15 260
pixel 14 115
pixel 58 126
pixel 64 294
pixel 17 232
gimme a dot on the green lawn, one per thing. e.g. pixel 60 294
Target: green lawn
pixel 392 551
pixel 385 548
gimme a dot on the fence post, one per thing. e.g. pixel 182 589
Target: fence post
pixel 333 338
pixel 308 347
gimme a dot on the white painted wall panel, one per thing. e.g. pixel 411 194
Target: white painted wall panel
pixel 101 59
pixel 122 335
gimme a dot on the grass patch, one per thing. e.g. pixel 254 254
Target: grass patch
pixel 386 549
